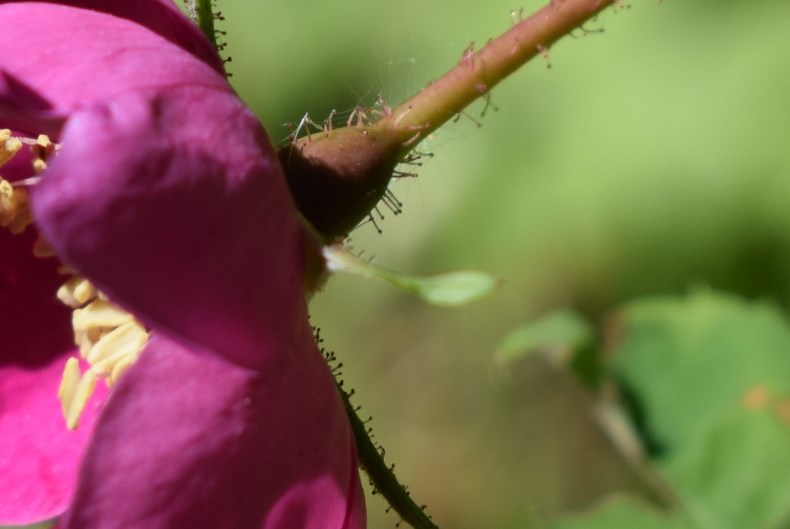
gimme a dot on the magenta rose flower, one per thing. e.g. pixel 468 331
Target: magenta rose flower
pixel 166 195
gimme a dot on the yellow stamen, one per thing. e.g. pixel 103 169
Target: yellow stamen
pixel 126 340
pixel 109 338
pixel 68 385
pixel 99 313
pixel 8 146
pixel 42 150
pixel 14 213
pixel 82 395
pixel 123 364
pixel 76 292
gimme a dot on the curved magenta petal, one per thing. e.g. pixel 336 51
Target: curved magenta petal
pixel 173 204
pixel 159 16
pixel 57 59
pixel 187 440
pixel 39 457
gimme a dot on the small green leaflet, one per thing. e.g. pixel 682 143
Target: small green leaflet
pixel 444 290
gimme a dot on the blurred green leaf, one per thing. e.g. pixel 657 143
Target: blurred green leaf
pixel 735 477
pixel 624 512
pixel 712 376
pixel 737 474
pixel 690 360
pixel 564 329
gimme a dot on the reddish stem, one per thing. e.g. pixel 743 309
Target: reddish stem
pixel 477 73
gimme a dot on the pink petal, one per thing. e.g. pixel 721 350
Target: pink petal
pixel 39 458
pixel 160 16
pixel 173 204
pixel 188 440
pixel 56 59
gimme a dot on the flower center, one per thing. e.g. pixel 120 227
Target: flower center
pixel 110 339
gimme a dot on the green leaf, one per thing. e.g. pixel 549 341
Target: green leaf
pixel 712 376
pixel 738 473
pixel 735 477
pixel 445 290
pixel 625 512
pixel 691 359
pixel 563 329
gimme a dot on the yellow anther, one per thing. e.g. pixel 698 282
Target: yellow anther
pixel 14 213
pixel 122 365
pixel 124 341
pixel 68 385
pixel 76 292
pixel 42 150
pixel 82 394
pixel 86 339
pixel 98 314
pixel 110 341
pixel 8 146
pixel 74 392
pixel 7 207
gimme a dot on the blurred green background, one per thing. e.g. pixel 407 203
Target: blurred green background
pixel 649 159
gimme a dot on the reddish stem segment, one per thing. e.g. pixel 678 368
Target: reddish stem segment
pixel 478 72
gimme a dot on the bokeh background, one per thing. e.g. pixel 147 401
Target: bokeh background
pixel 650 158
